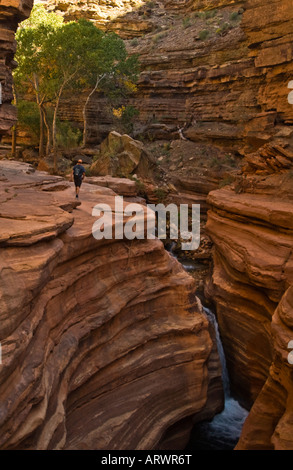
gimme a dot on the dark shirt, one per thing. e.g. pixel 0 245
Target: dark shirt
pixel 78 171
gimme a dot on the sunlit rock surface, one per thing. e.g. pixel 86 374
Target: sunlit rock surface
pixel 104 344
pixel 229 88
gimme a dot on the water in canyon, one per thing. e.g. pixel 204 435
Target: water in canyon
pixel 223 431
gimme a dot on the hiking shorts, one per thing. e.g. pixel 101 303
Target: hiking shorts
pixel 77 181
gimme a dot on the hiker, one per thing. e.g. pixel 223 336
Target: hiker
pixel 78 173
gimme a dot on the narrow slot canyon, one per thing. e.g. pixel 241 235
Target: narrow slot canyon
pixel 133 343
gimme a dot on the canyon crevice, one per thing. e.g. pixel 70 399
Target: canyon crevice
pixel 251 287
pixel 103 343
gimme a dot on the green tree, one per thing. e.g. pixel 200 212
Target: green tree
pixel 55 57
pixel 31 75
pixel 67 54
pixel 108 69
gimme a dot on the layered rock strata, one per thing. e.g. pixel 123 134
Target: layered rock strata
pixel 268 159
pixel 269 425
pixel 120 155
pixel 11 13
pixel 230 89
pixel 251 283
pixel 104 344
pixel 105 15
pixel 214 71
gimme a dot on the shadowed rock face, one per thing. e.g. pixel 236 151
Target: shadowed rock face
pixel 104 344
pixel 251 286
pixel 269 425
pixel 11 13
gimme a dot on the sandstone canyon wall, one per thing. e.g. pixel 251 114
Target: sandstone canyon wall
pixel 230 89
pixel 251 286
pixel 251 227
pixel 11 13
pixel 104 343
pixel 227 89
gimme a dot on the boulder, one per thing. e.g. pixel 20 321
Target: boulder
pixel 121 155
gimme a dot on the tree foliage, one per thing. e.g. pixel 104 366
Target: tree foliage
pixel 29 117
pixel 54 57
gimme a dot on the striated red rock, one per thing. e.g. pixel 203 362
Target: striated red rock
pixel 269 425
pixel 193 190
pixel 270 158
pixel 251 286
pixel 104 344
pixel 11 13
pixel 230 89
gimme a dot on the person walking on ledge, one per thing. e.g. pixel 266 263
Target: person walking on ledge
pixel 78 174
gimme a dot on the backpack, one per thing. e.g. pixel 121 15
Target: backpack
pixel 77 171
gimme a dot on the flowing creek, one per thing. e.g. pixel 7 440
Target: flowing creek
pixel 223 431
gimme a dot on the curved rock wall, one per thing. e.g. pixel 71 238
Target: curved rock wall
pixel 251 286
pixel 104 344
pixel 11 13
pixel 269 425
